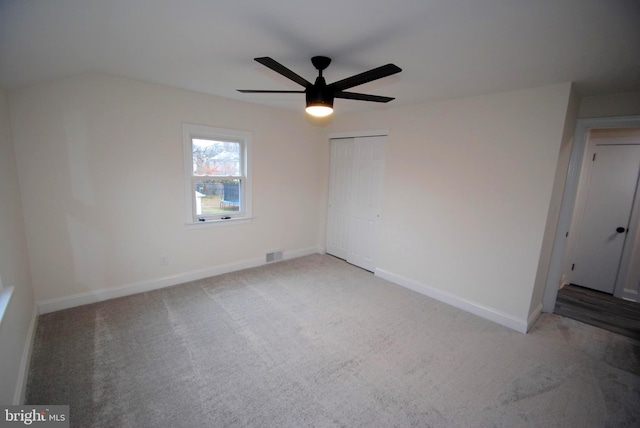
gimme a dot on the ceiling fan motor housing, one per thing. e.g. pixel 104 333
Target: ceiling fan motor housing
pixel 319 93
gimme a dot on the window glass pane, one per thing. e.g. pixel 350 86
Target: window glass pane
pixel 217 196
pixel 212 157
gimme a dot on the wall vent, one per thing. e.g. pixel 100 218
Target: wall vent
pixel 274 256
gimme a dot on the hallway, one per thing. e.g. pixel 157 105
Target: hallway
pixel 600 310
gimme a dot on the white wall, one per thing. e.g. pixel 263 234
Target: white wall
pixel 100 166
pixel 467 192
pixel 610 105
pixel 17 326
pixel 542 275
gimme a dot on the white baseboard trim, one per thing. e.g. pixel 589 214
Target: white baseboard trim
pixel 23 373
pixel 534 317
pixel 491 314
pixel 66 302
pixel 630 295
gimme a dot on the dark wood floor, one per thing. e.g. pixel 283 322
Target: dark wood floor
pixel 599 309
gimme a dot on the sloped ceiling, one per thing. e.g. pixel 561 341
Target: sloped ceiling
pixel 446 48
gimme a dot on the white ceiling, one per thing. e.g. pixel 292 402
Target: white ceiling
pixel 446 48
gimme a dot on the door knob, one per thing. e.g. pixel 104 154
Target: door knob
pixel 621 229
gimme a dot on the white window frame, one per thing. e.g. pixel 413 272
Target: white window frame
pixel 189 132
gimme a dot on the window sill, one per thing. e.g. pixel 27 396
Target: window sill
pixel 5 296
pixel 216 223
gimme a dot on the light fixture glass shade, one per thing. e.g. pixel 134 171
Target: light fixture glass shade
pixel 319 110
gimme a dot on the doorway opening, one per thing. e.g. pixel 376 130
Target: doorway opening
pixel 602 239
pixel 599 309
pixel 572 212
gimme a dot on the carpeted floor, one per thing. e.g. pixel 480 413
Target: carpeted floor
pixel 316 342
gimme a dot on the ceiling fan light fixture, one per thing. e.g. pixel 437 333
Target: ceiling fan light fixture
pixel 319 110
pixel 319 99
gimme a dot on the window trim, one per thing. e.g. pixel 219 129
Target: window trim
pixel 189 132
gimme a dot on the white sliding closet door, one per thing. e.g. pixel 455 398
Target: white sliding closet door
pixel 355 198
pixel 339 197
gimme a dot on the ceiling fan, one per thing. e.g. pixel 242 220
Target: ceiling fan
pixel 319 95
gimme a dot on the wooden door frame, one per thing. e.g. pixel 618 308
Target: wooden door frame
pixel 581 135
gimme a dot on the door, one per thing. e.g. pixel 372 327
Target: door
pixel 368 174
pixel 610 196
pixel 355 197
pixel 339 197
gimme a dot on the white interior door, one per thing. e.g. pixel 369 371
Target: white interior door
pixel 339 197
pixel 355 197
pixel 611 191
pixel 368 175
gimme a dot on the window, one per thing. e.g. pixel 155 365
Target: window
pixel 216 164
pixel 5 296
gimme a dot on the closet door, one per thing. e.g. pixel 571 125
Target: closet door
pixel 339 197
pixel 355 199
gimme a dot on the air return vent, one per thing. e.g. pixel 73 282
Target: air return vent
pixel 274 256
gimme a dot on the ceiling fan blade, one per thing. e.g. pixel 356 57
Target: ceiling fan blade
pixel 279 68
pixel 362 97
pixel 367 76
pixel 259 91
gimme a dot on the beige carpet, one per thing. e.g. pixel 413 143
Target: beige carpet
pixel 316 342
